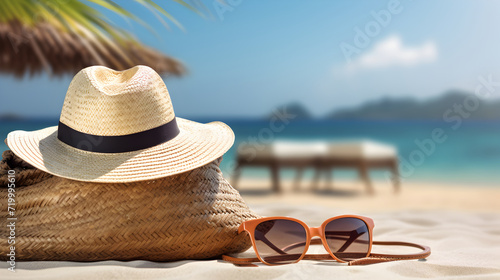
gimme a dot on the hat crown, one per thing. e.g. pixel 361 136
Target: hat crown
pixel 102 101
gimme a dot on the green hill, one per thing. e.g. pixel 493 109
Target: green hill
pixel 458 102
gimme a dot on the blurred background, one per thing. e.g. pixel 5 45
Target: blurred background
pixel 414 81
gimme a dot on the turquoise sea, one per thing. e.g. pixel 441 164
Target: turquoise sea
pixel 469 155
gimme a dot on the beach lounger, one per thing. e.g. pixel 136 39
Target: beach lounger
pixel 322 156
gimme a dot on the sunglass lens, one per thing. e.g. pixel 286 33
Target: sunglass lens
pixel 280 241
pixel 348 238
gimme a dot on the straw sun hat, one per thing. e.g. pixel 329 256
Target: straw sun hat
pixel 120 126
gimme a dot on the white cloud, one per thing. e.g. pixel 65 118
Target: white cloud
pixel 391 52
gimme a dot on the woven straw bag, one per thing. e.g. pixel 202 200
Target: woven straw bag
pixel 192 215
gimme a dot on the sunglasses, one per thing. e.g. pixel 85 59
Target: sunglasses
pixel 347 239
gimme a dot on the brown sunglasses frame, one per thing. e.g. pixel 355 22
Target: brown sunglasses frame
pixel 249 227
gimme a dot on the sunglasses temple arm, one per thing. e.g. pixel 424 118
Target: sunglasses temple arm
pixel 372 259
pixel 352 238
pixel 250 261
pixel 263 238
pixel 378 258
pixel 353 235
pixel 240 261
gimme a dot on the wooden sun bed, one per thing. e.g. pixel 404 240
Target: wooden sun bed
pixel 322 156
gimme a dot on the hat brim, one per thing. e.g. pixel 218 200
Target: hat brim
pixel 196 145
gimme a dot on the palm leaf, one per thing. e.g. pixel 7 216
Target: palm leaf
pixel 28 27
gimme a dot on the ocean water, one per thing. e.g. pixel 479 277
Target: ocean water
pixel 470 153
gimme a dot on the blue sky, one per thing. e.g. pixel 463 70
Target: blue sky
pixel 262 54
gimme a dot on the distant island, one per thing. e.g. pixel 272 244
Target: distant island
pixel 410 109
pixel 10 117
pixel 295 109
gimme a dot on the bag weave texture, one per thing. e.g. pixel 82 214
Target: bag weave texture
pixel 193 215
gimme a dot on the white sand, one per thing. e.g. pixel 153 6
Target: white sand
pixel 462 227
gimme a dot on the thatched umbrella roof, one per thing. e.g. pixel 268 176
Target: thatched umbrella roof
pixel 64 37
pixel 43 47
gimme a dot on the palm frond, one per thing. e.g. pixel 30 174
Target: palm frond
pixel 40 35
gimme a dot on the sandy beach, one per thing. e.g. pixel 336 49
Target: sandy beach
pixel 460 224
pixel 350 196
